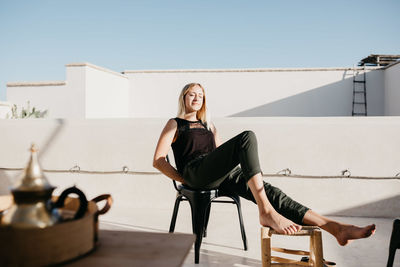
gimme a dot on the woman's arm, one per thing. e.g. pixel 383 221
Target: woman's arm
pixel 163 146
pixel 216 136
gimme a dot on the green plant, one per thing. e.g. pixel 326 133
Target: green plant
pixel 27 112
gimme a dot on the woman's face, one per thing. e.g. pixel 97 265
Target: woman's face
pixel 194 99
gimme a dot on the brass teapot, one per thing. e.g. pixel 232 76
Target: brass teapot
pixel 32 206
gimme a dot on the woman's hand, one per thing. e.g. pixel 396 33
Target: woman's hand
pixel 163 146
pixel 216 136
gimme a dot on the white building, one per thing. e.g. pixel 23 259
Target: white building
pixel 91 91
pixel 5 109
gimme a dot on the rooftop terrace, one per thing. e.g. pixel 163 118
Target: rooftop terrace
pixel 317 150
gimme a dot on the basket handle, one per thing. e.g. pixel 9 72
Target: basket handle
pixel 107 206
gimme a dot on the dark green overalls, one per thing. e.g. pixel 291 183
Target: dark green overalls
pixel 220 169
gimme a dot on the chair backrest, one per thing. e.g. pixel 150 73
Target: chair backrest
pixel 175 185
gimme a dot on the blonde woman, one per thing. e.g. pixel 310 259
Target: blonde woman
pixel 203 162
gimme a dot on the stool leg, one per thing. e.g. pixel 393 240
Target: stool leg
pixel 316 252
pixel 265 247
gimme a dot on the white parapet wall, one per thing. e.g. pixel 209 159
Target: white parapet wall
pixel 323 146
pixel 392 90
pixel 257 92
pixel 106 92
pixel 89 91
pixel 53 96
pixel 5 110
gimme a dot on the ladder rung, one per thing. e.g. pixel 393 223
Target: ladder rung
pixel 363 114
pixel 359 92
pixel 359 103
pixel 359 81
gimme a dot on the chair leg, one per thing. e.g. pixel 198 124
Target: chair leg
pixel 199 207
pixel 207 219
pixel 394 242
pixel 239 209
pixel 175 214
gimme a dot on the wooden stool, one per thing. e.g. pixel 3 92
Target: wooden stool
pixel 315 254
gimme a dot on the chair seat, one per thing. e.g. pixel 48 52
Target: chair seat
pixel 186 190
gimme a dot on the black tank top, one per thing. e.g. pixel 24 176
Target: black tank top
pixel 193 139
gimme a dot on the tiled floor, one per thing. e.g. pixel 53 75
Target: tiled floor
pixel 223 245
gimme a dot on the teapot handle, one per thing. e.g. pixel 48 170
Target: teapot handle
pixel 83 203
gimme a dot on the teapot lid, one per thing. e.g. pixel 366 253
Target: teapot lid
pixel 32 178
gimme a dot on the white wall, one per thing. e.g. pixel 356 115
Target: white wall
pixel 62 99
pixel 75 98
pixel 392 90
pixel 5 109
pixel 310 146
pixel 249 93
pixel 375 93
pixel 94 92
pixel 88 92
pixel 59 100
pixel 107 93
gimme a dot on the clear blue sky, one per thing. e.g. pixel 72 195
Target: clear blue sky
pixel 37 38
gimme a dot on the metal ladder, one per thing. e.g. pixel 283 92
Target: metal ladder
pixel 359 92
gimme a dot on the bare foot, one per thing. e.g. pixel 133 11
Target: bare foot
pixel 348 232
pixel 279 223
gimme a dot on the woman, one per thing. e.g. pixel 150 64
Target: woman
pixel 203 162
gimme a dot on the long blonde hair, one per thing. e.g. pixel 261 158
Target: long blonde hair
pixel 202 113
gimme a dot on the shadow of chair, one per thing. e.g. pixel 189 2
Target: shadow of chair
pixel 200 203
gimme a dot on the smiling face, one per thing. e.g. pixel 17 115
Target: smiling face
pixel 194 99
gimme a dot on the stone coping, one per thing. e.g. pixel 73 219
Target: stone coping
pixel 253 70
pixel 86 64
pixel 34 84
pixel 5 104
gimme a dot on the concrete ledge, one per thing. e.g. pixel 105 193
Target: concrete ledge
pixel 5 104
pixel 86 64
pixel 34 84
pixel 251 70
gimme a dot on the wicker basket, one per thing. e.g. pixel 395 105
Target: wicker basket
pixel 52 245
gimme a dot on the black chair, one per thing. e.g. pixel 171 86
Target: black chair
pixel 394 242
pixel 200 203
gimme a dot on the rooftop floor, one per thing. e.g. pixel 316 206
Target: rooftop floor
pixel 223 245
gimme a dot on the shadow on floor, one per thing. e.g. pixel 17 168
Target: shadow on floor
pixel 379 208
pixel 213 258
